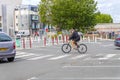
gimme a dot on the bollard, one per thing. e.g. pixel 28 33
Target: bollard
pixel 67 38
pixel 57 40
pixel 88 39
pixel 52 40
pixel 30 42
pixel 63 39
pixel 95 39
pixel 44 41
pixel 23 43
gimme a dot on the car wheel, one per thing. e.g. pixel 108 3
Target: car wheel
pixel 11 59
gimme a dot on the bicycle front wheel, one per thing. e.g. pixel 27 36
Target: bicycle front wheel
pixel 82 48
pixel 66 48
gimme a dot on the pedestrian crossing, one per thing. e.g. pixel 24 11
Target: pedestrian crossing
pixel 54 57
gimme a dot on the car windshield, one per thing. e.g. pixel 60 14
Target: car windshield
pixel 4 37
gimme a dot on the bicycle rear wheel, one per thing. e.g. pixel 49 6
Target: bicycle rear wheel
pixel 82 48
pixel 66 48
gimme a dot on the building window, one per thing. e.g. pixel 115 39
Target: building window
pixel 35 9
pixel 16 17
pixel 0 18
pixel 16 24
pixel 35 17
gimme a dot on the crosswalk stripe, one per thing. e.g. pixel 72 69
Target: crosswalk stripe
pixel 80 56
pixel 59 57
pixel 21 53
pixel 32 56
pixel 20 56
pixel 40 57
pixel 107 56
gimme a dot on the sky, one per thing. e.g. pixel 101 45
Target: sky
pixel 111 7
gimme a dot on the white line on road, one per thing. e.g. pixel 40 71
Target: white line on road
pixel 20 56
pixel 107 57
pixel 87 78
pixel 33 78
pixel 79 56
pixel 20 53
pixel 91 66
pixel 40 57
pixel 107 45
pixel 59 57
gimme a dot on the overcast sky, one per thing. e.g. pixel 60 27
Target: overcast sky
pixel 111 7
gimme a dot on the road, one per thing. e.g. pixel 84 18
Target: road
pixel 101 62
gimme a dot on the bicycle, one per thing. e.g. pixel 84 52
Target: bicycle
pixel 66 48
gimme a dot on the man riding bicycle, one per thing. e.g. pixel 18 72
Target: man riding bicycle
pixel 75 37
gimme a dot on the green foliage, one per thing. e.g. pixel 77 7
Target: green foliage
pixel 67 14
pixel 59 32
pixel 103 18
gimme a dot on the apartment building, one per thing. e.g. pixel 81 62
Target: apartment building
pixel 6 15
pixel 26 19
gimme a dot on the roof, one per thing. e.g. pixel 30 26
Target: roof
pixel 108 25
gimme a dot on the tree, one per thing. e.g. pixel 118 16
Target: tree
pixel 67 14
pixel 103 18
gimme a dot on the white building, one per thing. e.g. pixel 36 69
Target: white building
pixel 26 19
pixel 6 15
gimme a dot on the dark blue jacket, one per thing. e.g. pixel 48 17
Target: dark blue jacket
pixel 75 36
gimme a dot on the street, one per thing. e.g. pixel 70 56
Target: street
pixel 101 62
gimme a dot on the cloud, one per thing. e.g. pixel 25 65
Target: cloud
pixel 32 2
pixel 111 7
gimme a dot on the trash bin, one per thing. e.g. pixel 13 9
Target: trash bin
pixel 18 41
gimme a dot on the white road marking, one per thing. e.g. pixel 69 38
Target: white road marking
pixel 107 57
pixel 20 53
pixel 20 56
pixel 33 78
pixel 79 56
pixel 106 66
pixel 40 57
pixel 107 45
pixel 86 78
pixel 59 57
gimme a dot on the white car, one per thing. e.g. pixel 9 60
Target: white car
pixel 7 47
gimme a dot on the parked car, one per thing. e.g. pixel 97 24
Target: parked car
pixel 117 41
pixel 7 47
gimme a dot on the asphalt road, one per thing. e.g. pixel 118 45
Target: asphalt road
pixel 101 62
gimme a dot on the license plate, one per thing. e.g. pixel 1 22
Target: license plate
pixel 3 49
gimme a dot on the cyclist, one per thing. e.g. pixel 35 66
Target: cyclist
pixel 75 37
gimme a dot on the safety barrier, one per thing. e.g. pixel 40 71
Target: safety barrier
pixel 31 42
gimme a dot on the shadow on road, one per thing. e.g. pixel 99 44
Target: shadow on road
pixel 117 48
